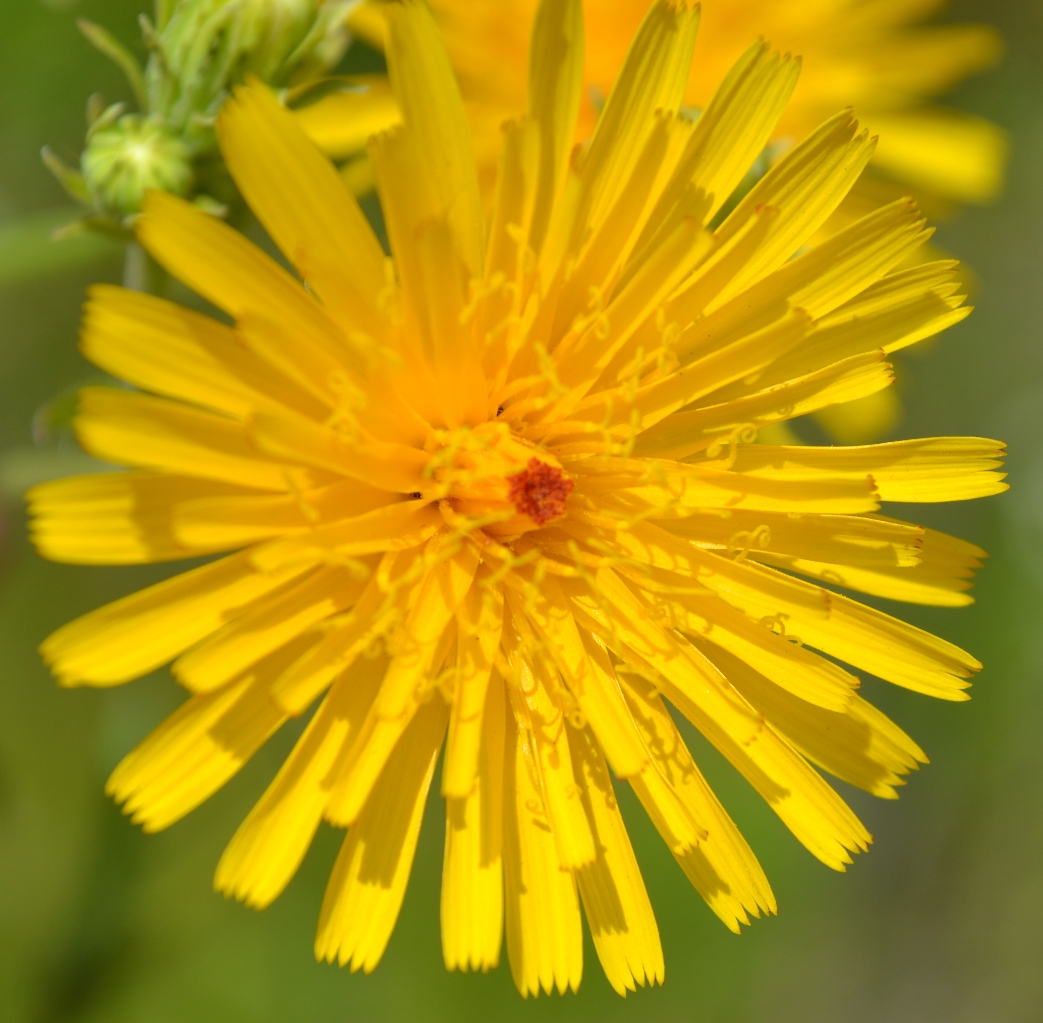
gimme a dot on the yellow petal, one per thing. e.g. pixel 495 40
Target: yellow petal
pixel 841 267
pixel 302 361
pixel 941 577
pixel 509 263
pixel 697 291
pixel 419 651
pixel 653 77
pixel 237 645
pixel 242 517
pixel 368 882
pixel 806 186
pixel 433 113
pixel 542 719
pixel 859 745
pixel 907 585
pixel 434 604
pixel 593 688
pixel 391 528
pixel 221 265
pixel 373 615
pixel 170 350
pixel 810 809
pixel 720 863
pixel 742 359
pixel 863 540
pixel 685 433
pixel 462 391
pixel 341 122
pixel 139 633
pixel 842 628
pixel 798 671
pixel 366 20
pixel 269 845
pixel 605 261
pixel 931 469
pixel 153 433
pixel 555 90
pixel 120 517
pixel 286 435
pixel 479 625
pixel 544 932
pixel 472 871
pixel 580 363
pixel 305 207
pixel 616 903
pixel 686 490
pixel 200 747
pixel 949 152
pixel 890 649
pixel 733 129
pixel 853 330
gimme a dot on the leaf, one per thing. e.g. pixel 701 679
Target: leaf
pixel 105 42
pixel 68 177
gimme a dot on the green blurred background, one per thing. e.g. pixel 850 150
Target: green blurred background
pixel 942 920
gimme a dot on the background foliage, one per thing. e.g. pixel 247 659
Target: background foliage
pixel 943 920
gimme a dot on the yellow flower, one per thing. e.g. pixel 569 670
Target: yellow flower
pixel 501 493
pixel 874 57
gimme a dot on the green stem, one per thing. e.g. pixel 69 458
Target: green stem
pixel 141 272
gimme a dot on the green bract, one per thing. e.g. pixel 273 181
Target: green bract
pixel 206 45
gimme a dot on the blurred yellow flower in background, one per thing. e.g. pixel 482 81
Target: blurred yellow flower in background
pixel 501 492
pixel 872 55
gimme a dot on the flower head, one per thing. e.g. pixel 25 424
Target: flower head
pixel 501 492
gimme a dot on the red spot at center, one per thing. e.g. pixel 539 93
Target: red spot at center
pixel 540 491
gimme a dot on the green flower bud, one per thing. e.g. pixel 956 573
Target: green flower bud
pixel 125 159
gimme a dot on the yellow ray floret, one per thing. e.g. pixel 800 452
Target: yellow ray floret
pixel 501 492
